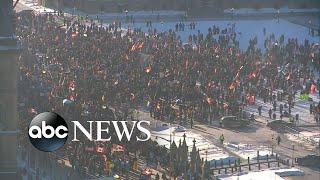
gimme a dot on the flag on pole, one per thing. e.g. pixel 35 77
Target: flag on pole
pixel 312 89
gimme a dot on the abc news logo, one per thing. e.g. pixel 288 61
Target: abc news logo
pixel 48 131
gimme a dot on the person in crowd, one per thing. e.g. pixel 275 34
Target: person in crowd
pixel 259 110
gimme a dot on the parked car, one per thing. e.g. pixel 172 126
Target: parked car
pixel 309 160
pixel 233 122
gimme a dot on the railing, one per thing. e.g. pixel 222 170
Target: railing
pixel 238 166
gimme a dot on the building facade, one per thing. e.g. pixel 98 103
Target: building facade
pixel 9 50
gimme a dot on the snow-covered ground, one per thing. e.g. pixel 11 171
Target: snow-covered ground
pixel 141 14
pixel 33 5
pixel 246 30
pixel 276 174
pixel 309 139
pixel 248 150
pixel 248 11
pixel 207 148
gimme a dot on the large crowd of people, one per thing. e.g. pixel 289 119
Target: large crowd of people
pixel 86 71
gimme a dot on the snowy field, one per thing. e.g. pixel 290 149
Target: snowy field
pixel 141 14
pixel 248 150
pixel 264 175
pixel 34 6
pixel 250 11
pixel 309 139
pixel 246 30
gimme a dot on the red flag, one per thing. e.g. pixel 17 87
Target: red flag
pixel 74 35
pixel 72 98
pixel 133 48
pixel 252 75
pixel 251 99
pixel 209 100
pixel 32 111
pixel 141 45
pixel 225 105
pixel 232 86
pixel 312 89
pixel 288 77
pixel 99 149
pixel 56 39
pixel 117 148
pixel 148 69
pixel 186 63
pixel 147 172
pixel 72 85
pixel 158 106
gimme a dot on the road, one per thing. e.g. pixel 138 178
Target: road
pixel 256 134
